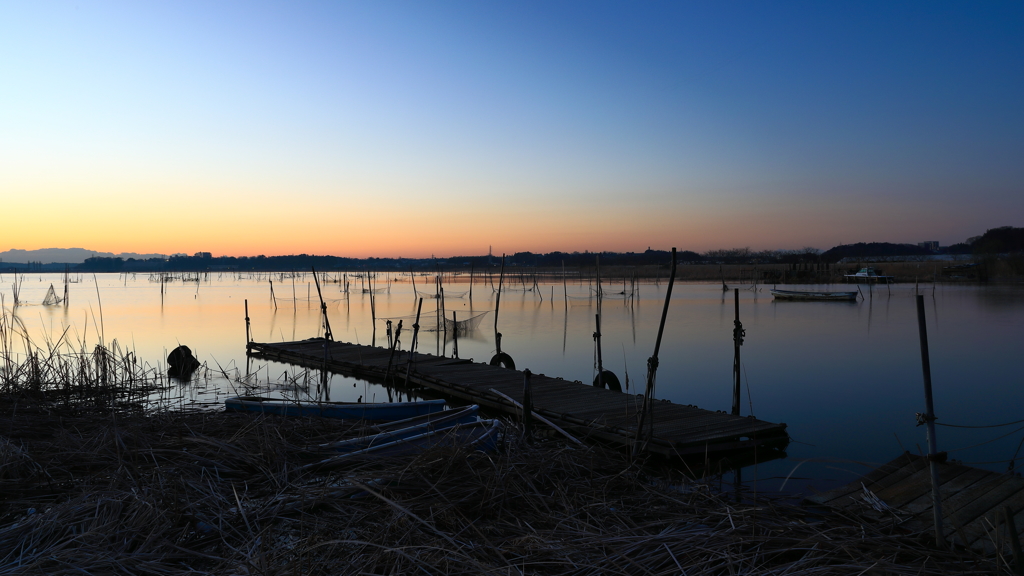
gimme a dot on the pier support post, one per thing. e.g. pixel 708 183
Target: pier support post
pixel 929 422
pixel 527 405
pixel 1011 528
pixel 737 339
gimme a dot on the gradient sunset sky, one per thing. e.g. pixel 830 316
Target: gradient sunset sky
pixel 415 128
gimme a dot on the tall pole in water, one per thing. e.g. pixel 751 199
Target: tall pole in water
pixel 929 422
pixel 652 365
pixel 737 339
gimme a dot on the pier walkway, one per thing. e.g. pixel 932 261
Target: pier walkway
pixel 974 502
pixel 586 411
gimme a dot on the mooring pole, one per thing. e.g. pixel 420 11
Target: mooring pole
pixel 497 301
pixel 737 339
pixel 455 335
pixel 929 422
pixel 597 340
pixel 247 338
pixel 415 338
pixel 652 363
pixel 565 290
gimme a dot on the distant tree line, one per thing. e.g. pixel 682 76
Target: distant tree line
pixel 997 241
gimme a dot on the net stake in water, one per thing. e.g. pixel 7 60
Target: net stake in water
pixel 929 422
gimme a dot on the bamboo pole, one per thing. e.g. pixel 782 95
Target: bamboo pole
pixel 652 364
pixel 415 340
pixel 737 338
pixel 929 421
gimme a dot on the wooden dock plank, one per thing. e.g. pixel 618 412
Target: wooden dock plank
pixel 602 413
pixel 891 472
pixel 972 500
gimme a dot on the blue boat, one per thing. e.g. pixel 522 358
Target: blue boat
pixel 481 435
pixel 340 410
pixel 409 428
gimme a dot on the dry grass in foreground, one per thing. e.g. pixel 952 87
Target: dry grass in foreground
pixel 82 492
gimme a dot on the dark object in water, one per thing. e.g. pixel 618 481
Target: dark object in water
pixel 181 363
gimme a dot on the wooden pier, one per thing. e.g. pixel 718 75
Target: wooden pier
pixel 586 411
pixel 973 501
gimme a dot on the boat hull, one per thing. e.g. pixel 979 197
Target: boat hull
pixel 340 410
pixel 811 295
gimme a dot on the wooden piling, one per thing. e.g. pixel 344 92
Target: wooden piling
pixel 565 290
pixel 415 338
pixel 737 338
pixel 455 335
pixel 497 302
pixel 929 422
pixel 652 363
pixel 1011 531
pixel 527 405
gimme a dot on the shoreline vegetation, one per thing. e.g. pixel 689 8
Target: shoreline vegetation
pixel 997 255
pixel 101 474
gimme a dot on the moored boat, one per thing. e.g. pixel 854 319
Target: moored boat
pixel 814 295
pixel 404 429
pixel 481 435
pixel 341 410
pixel 868 274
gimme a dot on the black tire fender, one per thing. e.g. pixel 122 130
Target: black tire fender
pixel 503 360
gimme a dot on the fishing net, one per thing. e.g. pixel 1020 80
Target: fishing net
pixel 51 298
pixel 429 323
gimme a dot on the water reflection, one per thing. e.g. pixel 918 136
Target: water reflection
pixel 845 377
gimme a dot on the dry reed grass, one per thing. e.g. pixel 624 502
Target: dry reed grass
pixel 82 492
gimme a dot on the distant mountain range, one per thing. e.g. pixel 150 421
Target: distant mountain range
pixel 66 255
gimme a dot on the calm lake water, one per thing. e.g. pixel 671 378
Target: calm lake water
pixel 845 377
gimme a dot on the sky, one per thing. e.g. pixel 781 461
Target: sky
pixel 450 128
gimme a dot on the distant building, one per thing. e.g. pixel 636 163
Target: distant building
pixel 932 245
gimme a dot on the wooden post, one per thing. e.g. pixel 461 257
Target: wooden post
pixel 323 308
pixel 652 363
pixel 471 284
pixel 1011 528
pixel 737 339
pixel 565 290
pixel 497 303
pixel 455 335
pixel 929 422
pixel 415 338
pixel 597 340
pixel 527 405
pixel 247 338
pixel 391 357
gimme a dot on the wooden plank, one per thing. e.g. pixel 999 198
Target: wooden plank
pixel 886 474
pixel 970 515
pixel 1016 504
pixel 916 497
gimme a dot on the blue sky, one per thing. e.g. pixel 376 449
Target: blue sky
pixel 410 128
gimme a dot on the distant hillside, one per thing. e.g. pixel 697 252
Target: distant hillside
pixel 872 250
pixel 999 241
pixel 66 255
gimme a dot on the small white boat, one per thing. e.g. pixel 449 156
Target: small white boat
pixel 814 295
pixel 868 274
